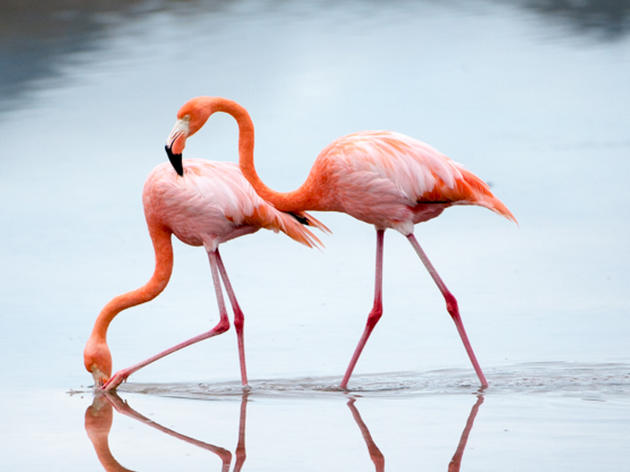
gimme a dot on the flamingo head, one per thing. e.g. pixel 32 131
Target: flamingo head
pixel 98 360
pixel 190 118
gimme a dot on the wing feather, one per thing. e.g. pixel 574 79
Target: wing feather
pixel 385 167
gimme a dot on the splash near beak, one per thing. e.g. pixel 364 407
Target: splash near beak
pixel 99 378
pixel 176 160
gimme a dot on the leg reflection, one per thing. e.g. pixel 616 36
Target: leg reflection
pixel 377 456
pixel 456 461
pixel 98 422
pixel 240 446
pixel 375 453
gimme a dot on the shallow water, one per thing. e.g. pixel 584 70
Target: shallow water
pixel 530 95
pixel 586 381
pixel 550 416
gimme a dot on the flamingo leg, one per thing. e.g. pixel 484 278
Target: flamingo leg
pixel 221 327
pixel 377 308
pixel 239 319
pixel 451 307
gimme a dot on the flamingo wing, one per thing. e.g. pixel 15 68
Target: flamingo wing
pixel 400 170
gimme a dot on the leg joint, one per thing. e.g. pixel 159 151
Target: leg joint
pixel 451 304
pixel 375 315
pixel 222 326
pixel 239 321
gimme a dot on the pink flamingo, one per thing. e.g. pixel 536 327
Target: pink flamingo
pixel 381 177
pixel 202 203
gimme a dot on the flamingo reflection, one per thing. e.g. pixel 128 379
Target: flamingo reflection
pixel 98 422
pixel 377 456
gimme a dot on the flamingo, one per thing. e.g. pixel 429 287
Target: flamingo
pixel 203 203
pixel 383 178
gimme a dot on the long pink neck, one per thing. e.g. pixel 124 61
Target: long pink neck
pixel 298 200
pixel 163 267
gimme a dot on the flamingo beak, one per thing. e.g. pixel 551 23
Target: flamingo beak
pixel 175 144
pixel 176 160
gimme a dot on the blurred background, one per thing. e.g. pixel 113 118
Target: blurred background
pixel 530 95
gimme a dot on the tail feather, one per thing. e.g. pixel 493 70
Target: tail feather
pixel 309 220
pixel 481 195
pixel 498 207
pixel 270 218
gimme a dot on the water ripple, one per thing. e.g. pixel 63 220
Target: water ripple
pixel 596 382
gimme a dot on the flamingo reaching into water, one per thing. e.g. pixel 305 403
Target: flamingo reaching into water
pixel 381 177
pixel 202 203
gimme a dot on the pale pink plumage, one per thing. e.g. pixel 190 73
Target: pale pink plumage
pixel 393 181
pixel 213 203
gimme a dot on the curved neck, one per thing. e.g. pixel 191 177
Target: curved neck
pixel 297 200
pixel 161 239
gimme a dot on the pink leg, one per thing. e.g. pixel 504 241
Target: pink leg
pixel 451 307
pixel 238 318
pixel 221 327
pixel 377 308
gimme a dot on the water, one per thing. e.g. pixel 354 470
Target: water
pixel 586 381
pixel 530 95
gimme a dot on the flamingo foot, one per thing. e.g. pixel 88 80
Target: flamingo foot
pixel 116 379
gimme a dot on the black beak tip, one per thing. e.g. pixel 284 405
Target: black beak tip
pixel 175 159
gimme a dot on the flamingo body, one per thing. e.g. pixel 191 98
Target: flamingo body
pixel 212 203
pixel 391 180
